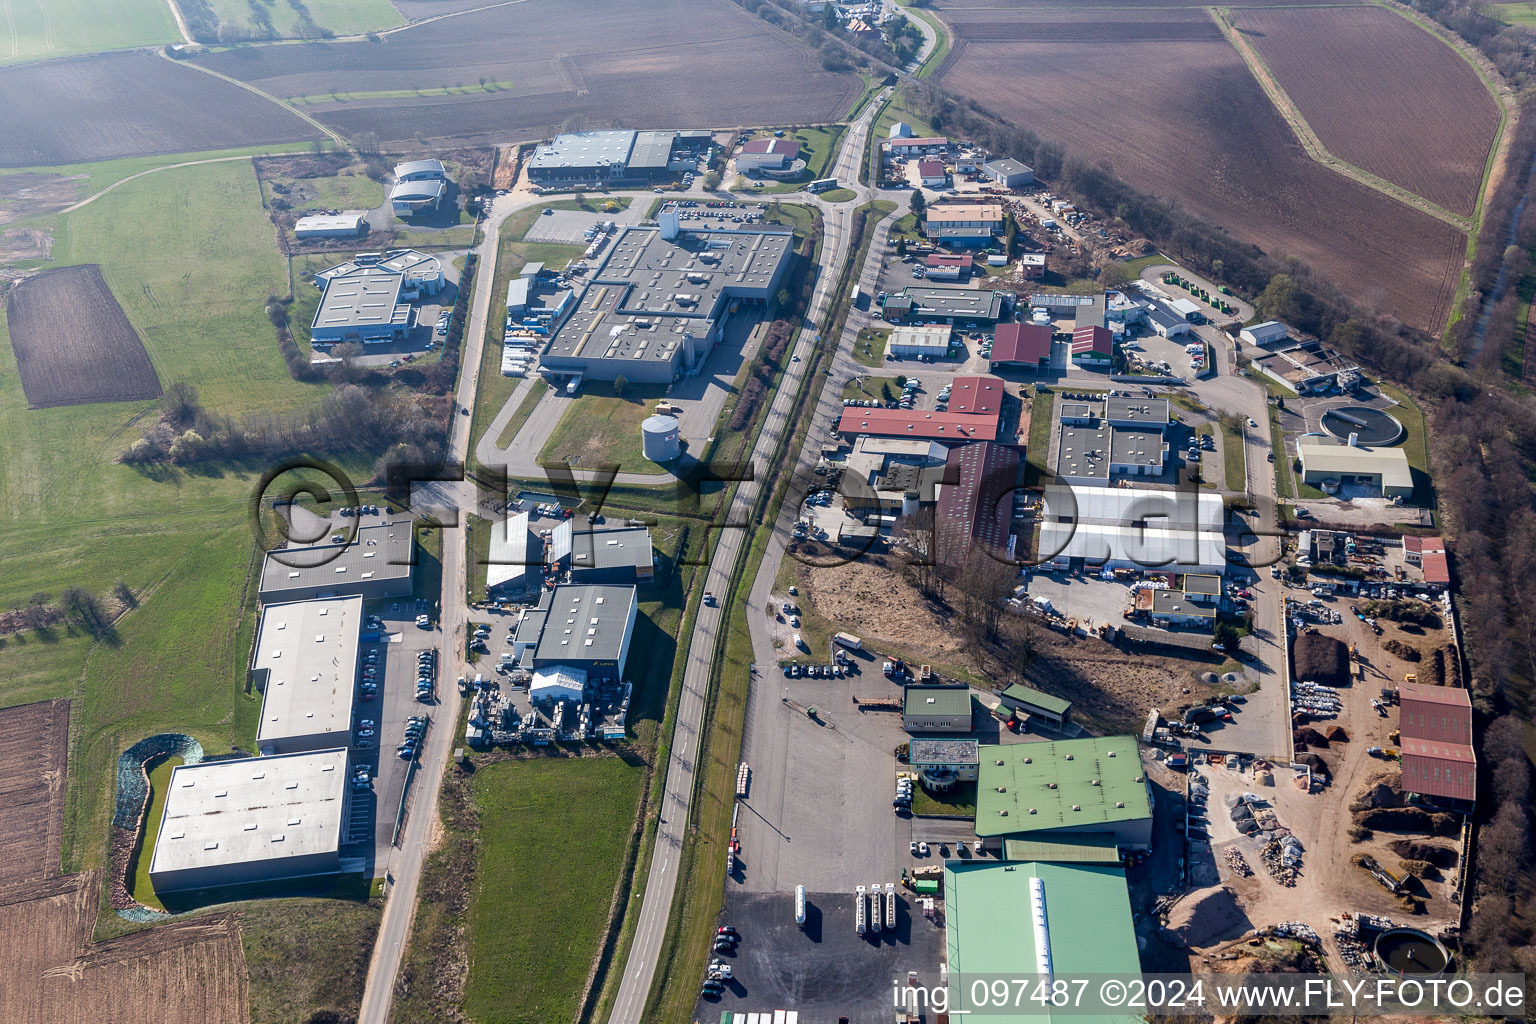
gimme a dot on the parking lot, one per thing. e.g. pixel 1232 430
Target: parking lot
pixel 827 970
pixel 569 227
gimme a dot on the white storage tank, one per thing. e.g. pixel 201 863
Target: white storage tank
pixel 661 438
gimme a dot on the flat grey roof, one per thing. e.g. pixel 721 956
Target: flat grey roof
pixel 1173 602
pixel 966 303
pixel 1132 446
pixel 362 297
pixel 1090 313
pixel 611 549
pixel 1074 410
pixel 945 751
pixel 1148 411
pixel 650 291
pixel 651 149
pixel 309 651
pixel 584 622
pixel 252 810
pixel 1084 452
pixel 381 551
pixel 1008 166
pixel 584 149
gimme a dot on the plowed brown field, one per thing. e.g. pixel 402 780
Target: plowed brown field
pixel 564 64
pixel 1163 99
pixel 1383 94
pixel 34 756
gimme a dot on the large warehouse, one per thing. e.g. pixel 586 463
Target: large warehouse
pixel 616 156
pixel 1024 920
pixel 1328 463
pixel 304 663
pixel 376 563
pixel 1065 791
pixel 251 820
pixel 515 561
pixel 578 626
pixel 1133 528
pixel 977 509
pixel 657 303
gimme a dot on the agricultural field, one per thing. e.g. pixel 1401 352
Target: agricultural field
pixel 1382 94
pixel 34 750
pixel 1164 100
pixel 285 19
pixel 50 970
pixel 130 104
pixel 599 63
pixel 73 343
pixel 41 29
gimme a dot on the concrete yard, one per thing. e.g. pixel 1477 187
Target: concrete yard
pixel 569 227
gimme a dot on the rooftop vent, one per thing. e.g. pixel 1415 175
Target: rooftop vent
pixel 1119 803
pixel 1075 807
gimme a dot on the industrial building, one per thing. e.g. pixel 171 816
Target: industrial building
pixel 908 147
pixel 919 342
pixel 767 155
pixel 1025 700
pixel 948 305
pixel 943 267
pixel 942 763
pixel 890 476
pixel 413 198
pixel 1021 346
pixel 515 562
pixel 602 555
pixel 375 563
pixel 1009 173
pixel 1068 313
pixel 977 395
pixel 304 664
pixel 1309 369
pixel 916 424
pixel 579 629
pixel 617 156
pixel 976 510
pixel 936 708
pixel 1133 528
pixel 963 224
pixel 252 819
pixel 367 299
pixel 1065 790
pixel 1435 725
pixel 1429 554
pixel 1172 609
pixel 1332 465
pixel 1035 919
pixel 931 173
pixel 340 225
pixel 1093 344
pixel 657 303
pixel 1119 438
pixel 421 170
pixel 1266 333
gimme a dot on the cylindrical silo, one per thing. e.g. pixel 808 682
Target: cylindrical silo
pixel 660 438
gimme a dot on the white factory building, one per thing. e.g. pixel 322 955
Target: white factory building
pixel 1133 528
pixel 251 820
pixel 340 225
pixel 915 342
pixel 304 664
pixel 420 187
pixel 368 298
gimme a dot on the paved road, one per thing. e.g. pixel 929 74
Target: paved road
pixel 404 865
pixel 640 969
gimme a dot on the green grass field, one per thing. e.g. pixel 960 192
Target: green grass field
pixel 43 29
pixel 878 388
pixel 869 349
pixel 1039 446
pixel 343 17
pixel 159 779
pixel 1232 457
pixel 1516 13
pixel 960 800
pixel 552 839
pixel 602 428
pixel 307 956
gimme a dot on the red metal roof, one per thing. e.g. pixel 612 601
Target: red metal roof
pixel 788 147
pixel 1438 714
pixel 939 259
pixel 930 169
pixel 977 509
pixel 1436 568
pixel 927 140
pixel 1423 544
pixel 928 426
pixel 1091 338
pixel 1446 770
pixel 976 395
pixel 1021 343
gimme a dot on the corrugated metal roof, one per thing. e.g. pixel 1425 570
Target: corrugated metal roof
pixel 1085 848
pixel 1037 699
pixel 987 928
pixel 1041 786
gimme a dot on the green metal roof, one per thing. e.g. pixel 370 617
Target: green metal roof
pixel 937 700
pixel 1037 699
pixel 1042 783
pixel 988 932
pixel 1081 848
